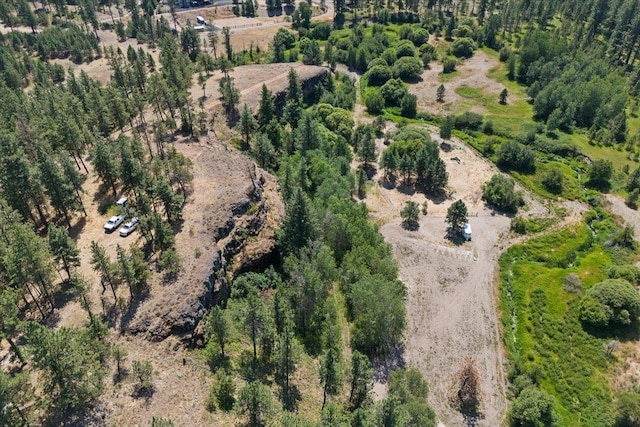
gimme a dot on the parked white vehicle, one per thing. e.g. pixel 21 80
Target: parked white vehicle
pixel 128 228
pixel 113 223
pixel 466 231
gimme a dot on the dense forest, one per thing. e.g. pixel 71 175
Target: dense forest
pixel 331 306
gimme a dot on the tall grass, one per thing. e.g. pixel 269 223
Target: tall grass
pixel 543 334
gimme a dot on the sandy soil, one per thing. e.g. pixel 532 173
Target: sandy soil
pixel 472 73
pixel 451 303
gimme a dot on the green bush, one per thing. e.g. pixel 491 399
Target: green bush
pixel 611 302
pixel 463 47
pixel 533 408
pixel 320 31
pixel 499 192
pixel 405 48
pixel 628 410
pixel 408 68
pixel 409 105
pixel 600 172
pixel 393 91
pixel 512 155
pixel 448 65
pixel 374 102
pixel 378 75
pixel 468 121
pixel 552 180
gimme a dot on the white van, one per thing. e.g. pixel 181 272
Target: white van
pixel 200 20
pixel 466 231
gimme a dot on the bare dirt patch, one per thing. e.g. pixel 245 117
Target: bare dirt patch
pixel 451 302
pixel 471 73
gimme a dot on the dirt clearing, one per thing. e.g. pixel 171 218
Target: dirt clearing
pixel 471 73
pixel 451 301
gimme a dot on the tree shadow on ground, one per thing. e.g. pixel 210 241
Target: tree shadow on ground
pixel 471 416
pixel 410 225
pixel 77 228
pixel 405 189
pixel 290 402
pixel 455 237
pixel 129 313
pixel 390 361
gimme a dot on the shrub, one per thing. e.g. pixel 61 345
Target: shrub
pixel 224 389
pixel 513 155
pixel 405 48
pixel 340 122
pixel 628 410
pixel 409 215
pixel 374 103
pixel 613 301
pixel 468 120
pixel 533 407
pixel 552 181
pixel 378 61
pixel 409 105
pixel 419 36
pixel 519 225
pixel 448 65
pixel 143 371
pixel 408 68
pixel 499 192
pixel 463 47
pixel 600 172
pixel 378 75
pixel 320 31
pixel 393 91
pixel 572 283
pixel 630 273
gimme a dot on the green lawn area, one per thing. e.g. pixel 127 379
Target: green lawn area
pixel 543 334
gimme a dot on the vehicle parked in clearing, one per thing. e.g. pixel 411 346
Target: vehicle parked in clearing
pixel 466 231
pixel 113 223
pixel 128 228
pixel 200 20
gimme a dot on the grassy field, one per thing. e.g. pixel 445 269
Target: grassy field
pixel 544 336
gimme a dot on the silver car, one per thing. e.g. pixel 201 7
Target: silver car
pixel 129 227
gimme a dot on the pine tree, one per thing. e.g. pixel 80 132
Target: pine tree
pixel 298 227
pixel 63 248
pixel 106 164
pixel 287 357
pixel 266 111
pixel 72 373
pixel 361 380
pixel 248 125
pixel 218 326
pixel 293 106
pixel 255 401
pixel 10 322
pixel 104 267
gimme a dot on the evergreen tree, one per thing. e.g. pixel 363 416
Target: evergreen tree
pixel 456 215
pixel 63 248
pixel 287 357
pixel 298 227
pixel 70 364
pixel 106 164
pixel 248 125
pixel 10 322
pixel 218 326
pixel 266 111
pixel 361 380
pixel 293 106
pixel 255 401
pixel 104 267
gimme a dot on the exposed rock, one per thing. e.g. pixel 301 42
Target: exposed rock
pixel 238 222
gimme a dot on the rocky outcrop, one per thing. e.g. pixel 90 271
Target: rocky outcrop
pixel 239 226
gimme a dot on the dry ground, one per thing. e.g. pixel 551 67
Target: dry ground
pixel 472 73
pixel 451 303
